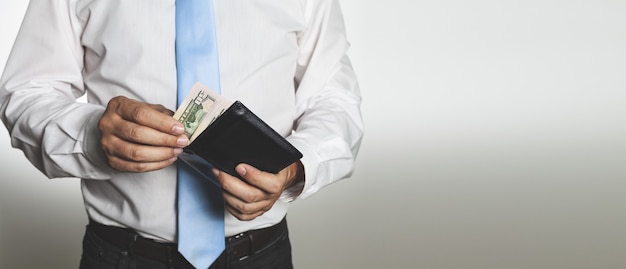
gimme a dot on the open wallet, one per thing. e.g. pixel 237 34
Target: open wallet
pixel 239 136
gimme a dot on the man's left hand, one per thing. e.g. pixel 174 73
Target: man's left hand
pixel 250 199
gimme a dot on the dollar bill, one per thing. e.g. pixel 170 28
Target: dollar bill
pixel 199 109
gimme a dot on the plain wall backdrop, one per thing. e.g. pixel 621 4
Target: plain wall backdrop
pixel 495 138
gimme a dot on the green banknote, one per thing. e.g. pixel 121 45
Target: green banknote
pixel 199 109
pixel 195 113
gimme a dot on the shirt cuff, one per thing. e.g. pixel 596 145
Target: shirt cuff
pixel 310 163
pixel 92 149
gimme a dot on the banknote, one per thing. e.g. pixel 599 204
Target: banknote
pixel 199 109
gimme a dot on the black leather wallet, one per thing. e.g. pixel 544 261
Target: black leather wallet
pixel 239 136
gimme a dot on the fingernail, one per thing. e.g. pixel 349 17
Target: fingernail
pixel 215 171
pixel 178 129
pixel 178 151
pixel 241 170
pixel 183 141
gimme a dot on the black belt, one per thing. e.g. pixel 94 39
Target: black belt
pixel 240 246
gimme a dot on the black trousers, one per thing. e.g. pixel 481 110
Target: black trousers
pixel 106 247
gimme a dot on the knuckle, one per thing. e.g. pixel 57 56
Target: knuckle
pixel 138 113
pixel 245 209
pixel 111 162
pixel 140 167
pixel 118 99
pixel 108 153
pixel 247 218
pixel 169 140
pixel 251 197
pixel 240 217
pixel 135 154
pixel 115 101
pixel 105 123
pixel 133 133
pixel 101 124
pixel 107 145
pixel 104 143
pixel 115 163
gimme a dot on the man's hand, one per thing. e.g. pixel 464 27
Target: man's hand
pixel 250 199
pixel 140 137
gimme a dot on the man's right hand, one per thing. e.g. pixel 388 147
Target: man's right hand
pixel 140 137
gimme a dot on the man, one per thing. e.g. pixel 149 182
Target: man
pixel 284 59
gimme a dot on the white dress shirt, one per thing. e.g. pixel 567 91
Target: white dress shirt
pixel 284 59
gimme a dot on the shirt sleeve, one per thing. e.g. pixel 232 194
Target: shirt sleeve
pixel 38 92
pixel 329 127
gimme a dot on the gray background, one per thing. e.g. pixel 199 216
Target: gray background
pixel 496 138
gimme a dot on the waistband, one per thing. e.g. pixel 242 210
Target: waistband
pixel 241 246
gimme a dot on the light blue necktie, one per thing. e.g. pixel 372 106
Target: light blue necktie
pixel 200 204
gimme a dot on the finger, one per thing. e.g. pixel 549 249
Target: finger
pixel 240 189
pixel 244 217
pixel 268 182
pixel 147 115
pixel 137 167
pixel 139 153
pixel 140 134
pixel 245 211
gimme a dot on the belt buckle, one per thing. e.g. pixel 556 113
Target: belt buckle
pixel 241 245
pixel 241 235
